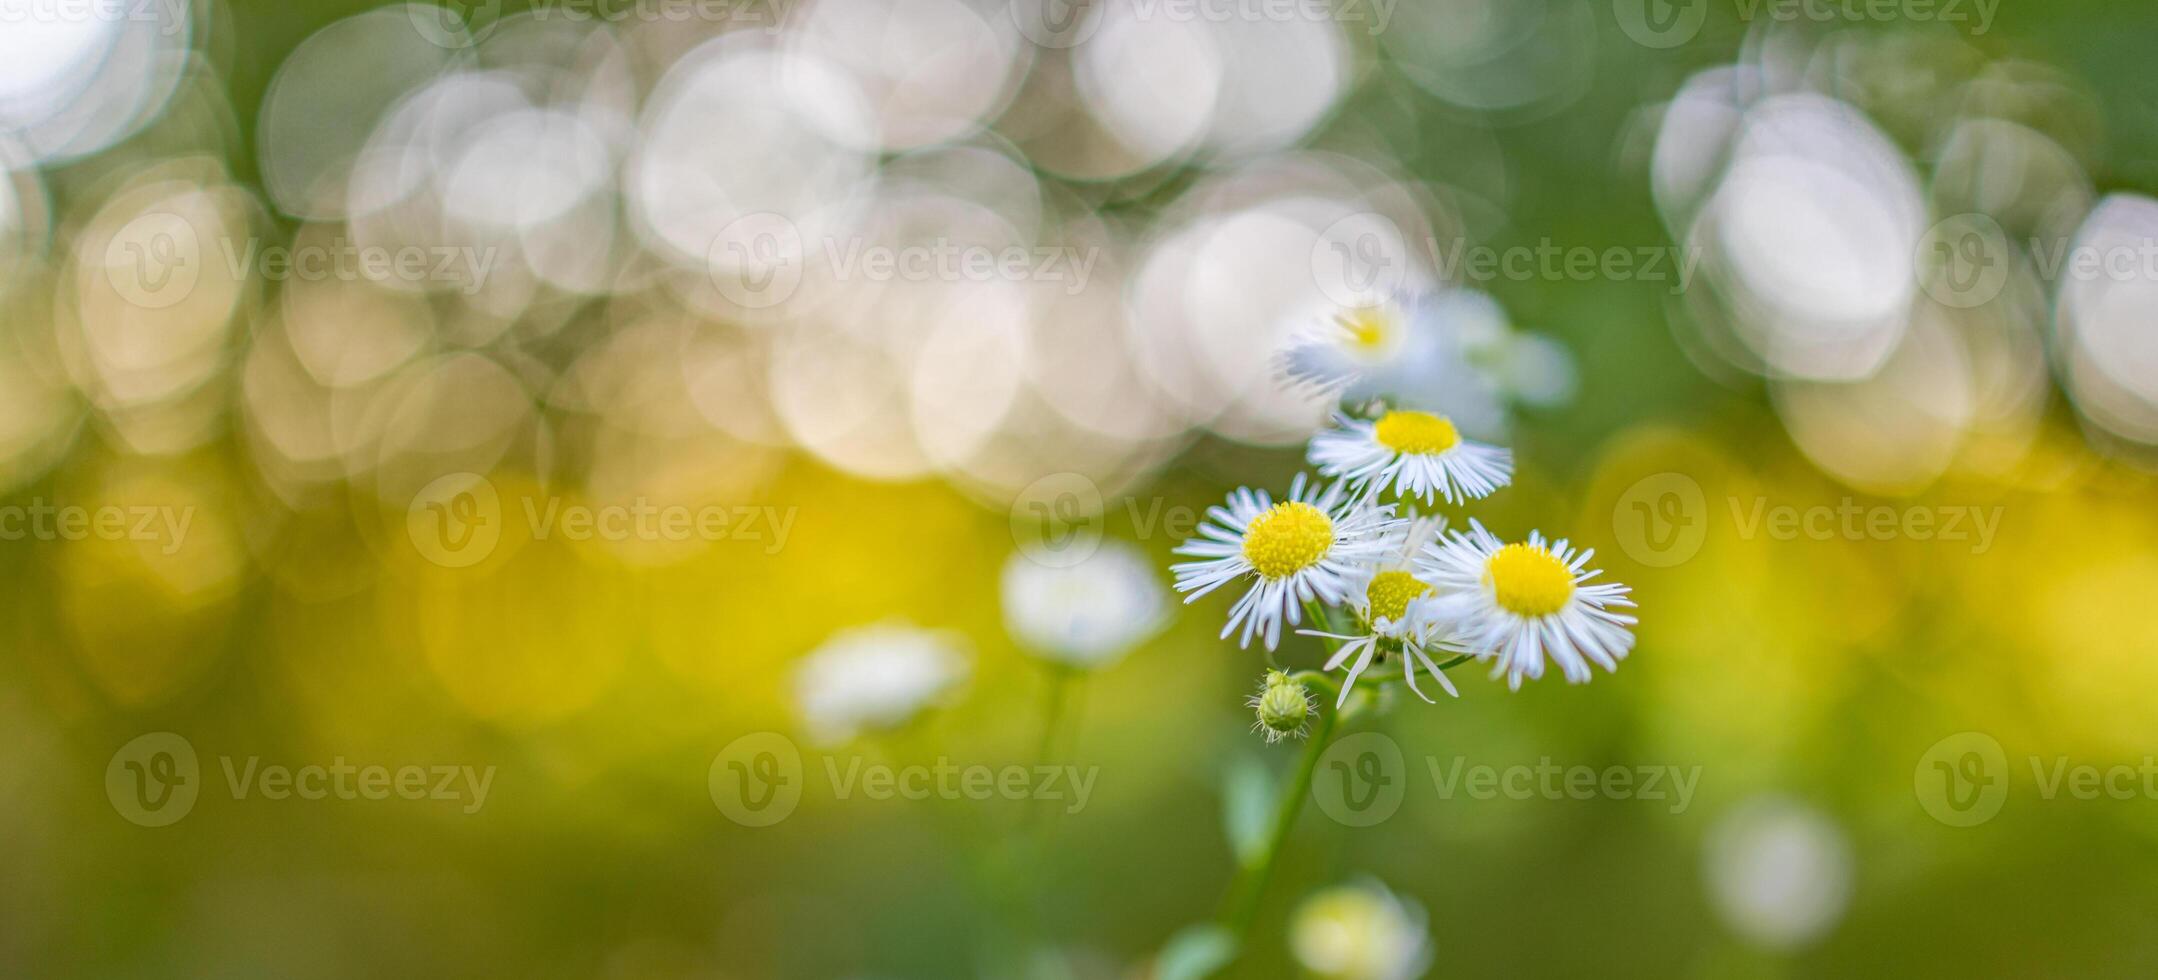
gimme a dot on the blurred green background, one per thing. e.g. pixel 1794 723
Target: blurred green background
pixel 295 622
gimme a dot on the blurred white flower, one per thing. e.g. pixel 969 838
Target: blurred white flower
pixel 875 677
pixel 1778 872
pixel 1534 369
pixel 1360 931
pixel 1434 353
pixel 1089 614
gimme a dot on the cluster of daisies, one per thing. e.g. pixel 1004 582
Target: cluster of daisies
pixel 1359 555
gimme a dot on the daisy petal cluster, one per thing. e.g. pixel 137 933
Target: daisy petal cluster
pixel 1518 604
pixel 1422 383
pixel 1312 545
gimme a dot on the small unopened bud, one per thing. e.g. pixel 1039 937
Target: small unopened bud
pixel 1283 706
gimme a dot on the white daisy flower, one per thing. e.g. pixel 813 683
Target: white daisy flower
pixel 1393 615
pixel 1516 603
pixel 1416 454
pixel 1360 931
pixel 875 677
pixel 1313 545
pixel 1433 353
pixel 1089 614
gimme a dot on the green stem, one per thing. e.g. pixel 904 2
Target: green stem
pixel 1056 697
pixel 1242 906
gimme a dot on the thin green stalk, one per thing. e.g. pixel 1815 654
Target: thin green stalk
pixel 1057 697
pixel 1242 907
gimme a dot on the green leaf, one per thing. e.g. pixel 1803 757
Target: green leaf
pixel 1195 953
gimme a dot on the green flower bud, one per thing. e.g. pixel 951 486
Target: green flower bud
pixel 1283 706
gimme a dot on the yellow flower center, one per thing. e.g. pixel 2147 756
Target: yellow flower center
pixel 1416 432
pixel 1368 326
pixel 1390 593
pixel 1529 580
pixel 1290 537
